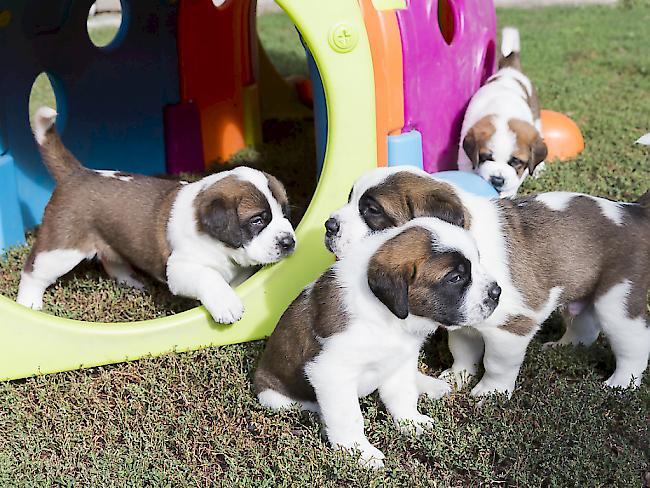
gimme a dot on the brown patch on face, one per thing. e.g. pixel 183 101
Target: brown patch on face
pixel 224 208
pixel 531 149
pixel 476 139
pixel 404 196
pixel 519 325
pixel 279 193
pixel 317 313
pixel 408 276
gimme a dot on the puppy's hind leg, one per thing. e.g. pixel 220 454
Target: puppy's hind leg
pixel 121 271
pixel 277 401
pixel 622 311
pixel 42 269
pixel 583 328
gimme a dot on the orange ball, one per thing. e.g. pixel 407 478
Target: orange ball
pixel 561 135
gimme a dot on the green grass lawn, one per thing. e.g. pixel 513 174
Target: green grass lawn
pixel 191 420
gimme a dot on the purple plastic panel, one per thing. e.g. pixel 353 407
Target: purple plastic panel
pixel 440 78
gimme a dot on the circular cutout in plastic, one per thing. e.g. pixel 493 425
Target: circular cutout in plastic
pixel 446 20
pixel 103 26
pixel 42 94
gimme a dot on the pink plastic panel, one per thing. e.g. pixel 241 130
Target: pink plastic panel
pixel 440 78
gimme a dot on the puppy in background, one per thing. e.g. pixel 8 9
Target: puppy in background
pixel 501 135
pixel 196 237
pixel 361 325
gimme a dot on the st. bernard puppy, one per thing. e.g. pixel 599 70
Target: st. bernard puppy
pixel 360 327
pixel 586 254
pixel 196 237
pixel 501 135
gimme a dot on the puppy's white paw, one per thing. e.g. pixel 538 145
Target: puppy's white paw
pixel 370 457
pixel 30 302
pixel 416 425
pixel 623 381
pixel 225 309
pixel 30 295
pixel 432 387
pixel 131 282
pixel 459 378
pixel 484 389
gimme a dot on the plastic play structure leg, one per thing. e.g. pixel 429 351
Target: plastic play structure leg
pixel 11 221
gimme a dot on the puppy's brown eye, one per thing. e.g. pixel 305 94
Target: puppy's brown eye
pixel 485 157
pixel 372 210
pixel 259 220
pixel 515 162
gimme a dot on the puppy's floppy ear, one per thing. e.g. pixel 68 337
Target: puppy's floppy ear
pixel 538 153
pixel 390 285
pixel 470 146
pixel 219 219
pixel 391 271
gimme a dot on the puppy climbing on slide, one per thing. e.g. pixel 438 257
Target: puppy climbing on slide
pixel 195 237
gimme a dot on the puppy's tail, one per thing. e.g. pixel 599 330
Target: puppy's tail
pixel 59 161
pixel 510 48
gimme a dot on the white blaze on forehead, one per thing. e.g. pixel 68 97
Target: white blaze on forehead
pixel 503 142
pixel 560 200
pixel 261 182
pixel 113 174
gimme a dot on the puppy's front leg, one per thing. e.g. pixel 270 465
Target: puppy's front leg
pixel 341 415
pixel 504 353
pixel 399 393
pixel 466 346
pixel 190 279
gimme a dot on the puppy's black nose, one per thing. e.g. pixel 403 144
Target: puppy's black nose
pixel 287 243
pixel 497 181
pixel 332 226
pixel 494 292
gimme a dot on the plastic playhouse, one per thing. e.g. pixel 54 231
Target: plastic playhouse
pixel 186 82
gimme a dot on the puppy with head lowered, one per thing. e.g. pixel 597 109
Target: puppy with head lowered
pixel 587 255
pixel 501 135
pixel 196 237
pixel 360 327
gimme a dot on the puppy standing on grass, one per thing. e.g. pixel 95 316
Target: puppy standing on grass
pixel 501 135
pixel 360 327
pixel 196 237
pixel 588 255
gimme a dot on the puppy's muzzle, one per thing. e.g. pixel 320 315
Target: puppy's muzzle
pixel 286 244
pixel 493 295
pixel 497 182
pixel 332 228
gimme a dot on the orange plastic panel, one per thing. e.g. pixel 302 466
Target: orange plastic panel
pixel 215 64
pixel 386 51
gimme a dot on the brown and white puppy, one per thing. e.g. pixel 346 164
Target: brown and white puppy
pixel 589 255
pixel 360 327
pixel 196 237
pixel 501 135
